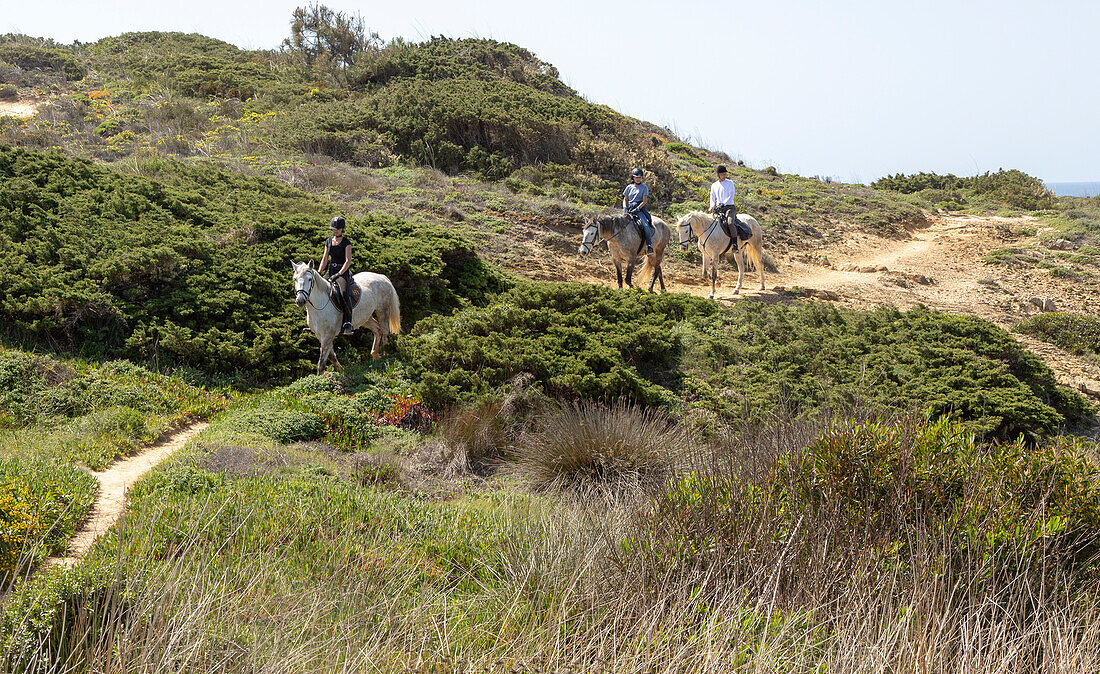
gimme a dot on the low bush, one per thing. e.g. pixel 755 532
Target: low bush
pixel 285 426
pixel 576 340
pixel 43 390
pixel 876 499
pixel 41 505
pixel 583 341
pixel 1012 187
pixel 1075 333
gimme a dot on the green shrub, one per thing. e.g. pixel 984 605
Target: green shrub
pixel 41 505
pixel 815 354
pixel 190 64
pixel 193 269
pixel 583 341
pixel 1007 499
pixel 285 426
pixel 886 506
pixel 1012 187
pixel 577 340
pixel 1075 333
pixel 42 390
pixel 40 54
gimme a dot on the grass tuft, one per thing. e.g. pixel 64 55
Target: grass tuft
pixel 589 442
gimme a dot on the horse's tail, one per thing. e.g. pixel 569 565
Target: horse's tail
pixel 754 254
pixel 394 311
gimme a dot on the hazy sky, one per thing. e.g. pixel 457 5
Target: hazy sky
pixel 853 90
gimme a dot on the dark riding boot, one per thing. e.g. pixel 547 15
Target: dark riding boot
pixel 644 224
pixel 345 304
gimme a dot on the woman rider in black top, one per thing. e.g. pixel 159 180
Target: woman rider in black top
pixel 336 262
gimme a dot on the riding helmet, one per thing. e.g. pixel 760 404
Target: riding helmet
pixel 337 223
pixel 721 169
pixel 637 173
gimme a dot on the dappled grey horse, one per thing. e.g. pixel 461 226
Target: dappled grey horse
pixel 379 309
pixel 713 242
pixel 627 245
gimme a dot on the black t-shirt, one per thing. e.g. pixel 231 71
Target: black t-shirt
pixel 337 253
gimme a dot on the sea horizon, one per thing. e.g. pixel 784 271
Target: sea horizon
pixel 1076 189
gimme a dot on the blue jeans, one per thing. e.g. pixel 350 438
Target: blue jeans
pixel 647 227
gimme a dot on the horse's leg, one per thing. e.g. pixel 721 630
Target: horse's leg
pixel 374 327
pixel 760 263
pixel 653 279
pixel 629 273
pixel 740 271
pixel 713 277
pixel 332 357
pixel 619 272
pixel 322 359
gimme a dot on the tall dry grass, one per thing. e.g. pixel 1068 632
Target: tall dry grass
pixel 720 575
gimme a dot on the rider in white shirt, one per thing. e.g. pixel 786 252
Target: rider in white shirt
pixel 722 192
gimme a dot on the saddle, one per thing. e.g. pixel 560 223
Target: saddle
pixel 739 232
pixel 639 226
pixel 353 290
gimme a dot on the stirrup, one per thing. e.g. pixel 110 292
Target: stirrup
pixel 348 330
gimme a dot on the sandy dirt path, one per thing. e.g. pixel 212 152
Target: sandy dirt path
pixel 19 109
pixel 113 485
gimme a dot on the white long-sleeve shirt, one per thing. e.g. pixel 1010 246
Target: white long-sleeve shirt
pixel 721 193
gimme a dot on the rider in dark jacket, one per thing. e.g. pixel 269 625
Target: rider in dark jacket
pixel 336 262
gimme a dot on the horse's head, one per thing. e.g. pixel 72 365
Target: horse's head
pixel 303 281
pixel 683 228
pixel 590 236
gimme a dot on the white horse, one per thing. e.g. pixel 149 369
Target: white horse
pixel 627 245
pixel 703 227
pixel 379 309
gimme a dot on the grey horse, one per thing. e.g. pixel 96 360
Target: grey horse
pixel 713 242
pixel 379 309
pixel 627 245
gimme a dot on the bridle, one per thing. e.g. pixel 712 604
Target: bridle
pixel 307 292
pixel 596 226
pixel 586 245
pixel 709 233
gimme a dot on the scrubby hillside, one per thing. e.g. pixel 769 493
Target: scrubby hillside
pixel 538 476
pixel 489 109
pixel 191 268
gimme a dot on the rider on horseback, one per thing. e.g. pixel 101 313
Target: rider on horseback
pixel 337 257
pixel 635 197
pixel 722 192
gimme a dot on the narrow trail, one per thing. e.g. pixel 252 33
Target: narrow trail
pixel 113 485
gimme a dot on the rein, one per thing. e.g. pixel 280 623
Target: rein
pixel 599 228
pixel 708 234
pixel 309 291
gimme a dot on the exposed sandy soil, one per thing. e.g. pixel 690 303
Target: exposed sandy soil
pixel 939 266
pixel 113 484
pixel 20 109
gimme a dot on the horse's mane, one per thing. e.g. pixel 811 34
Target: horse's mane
pixel 691 216
pixel 613 218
